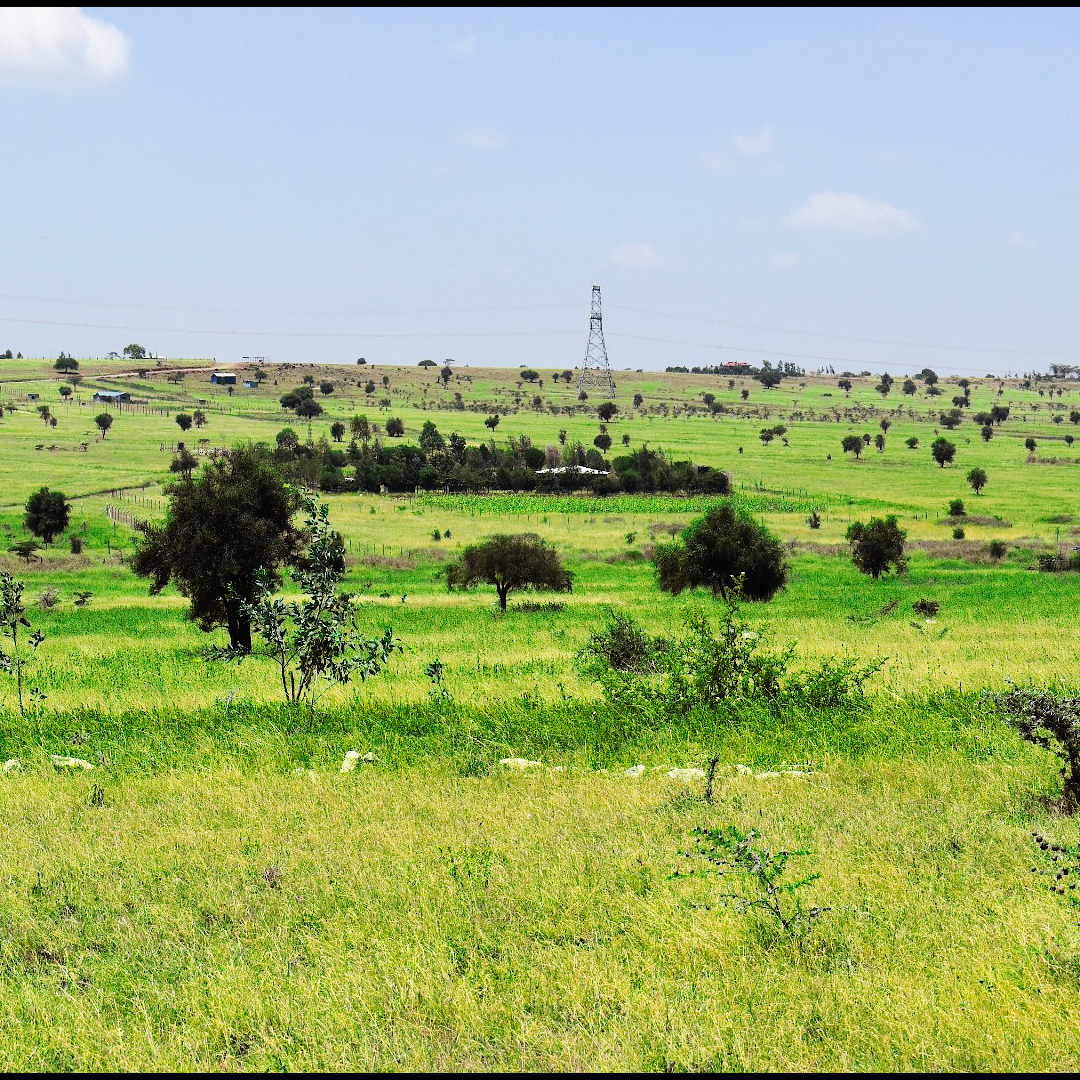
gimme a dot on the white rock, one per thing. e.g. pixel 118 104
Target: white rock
pixel 687 776
pixel 351 758
pixel 369 756
pixel 634 770
pixel 517 762
pixel 70 763
pixel 13 765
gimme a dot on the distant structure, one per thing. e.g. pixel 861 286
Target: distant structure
pixel 224 378
pixel 595 369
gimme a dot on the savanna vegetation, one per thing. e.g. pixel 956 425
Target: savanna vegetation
pixel 723 755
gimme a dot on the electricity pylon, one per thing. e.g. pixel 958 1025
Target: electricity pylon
pixel 595 369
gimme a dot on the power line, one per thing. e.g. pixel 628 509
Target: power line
pixel 842 337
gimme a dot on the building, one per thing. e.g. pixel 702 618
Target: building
pixel 224 378
pixel 112 397
pixel 251 384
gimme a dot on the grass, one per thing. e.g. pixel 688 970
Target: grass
pixel 215 894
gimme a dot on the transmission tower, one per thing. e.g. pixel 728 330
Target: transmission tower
pixel 595 369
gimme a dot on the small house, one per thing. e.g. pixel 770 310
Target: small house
pixel 251 384
pixel 33 397
pixel 112 397
pixel 224 378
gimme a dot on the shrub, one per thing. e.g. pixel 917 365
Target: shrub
pixel 956 508
pixel 1047 720
pixel 958 533
pixel 998 549
pixel 719 549
pixel 621 646
pixel 929 608
pixel 877 545
pixel 76 544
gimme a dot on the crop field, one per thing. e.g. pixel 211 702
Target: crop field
pixel 216 893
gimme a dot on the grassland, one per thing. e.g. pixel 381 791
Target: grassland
pixel 216 894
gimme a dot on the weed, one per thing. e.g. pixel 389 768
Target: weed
pixel 730 853
pixel 1061 865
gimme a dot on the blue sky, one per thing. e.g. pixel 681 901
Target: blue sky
pixel 878 189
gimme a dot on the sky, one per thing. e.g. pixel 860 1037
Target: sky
pixel 878 189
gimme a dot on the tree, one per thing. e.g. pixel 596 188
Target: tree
pixel 530 376
pixel 183 421
pixel 47 514
pixel 638 401
pixel 135 352
pixel 287 439
pixel 199 417
pixel 104 422
pixel 337 431
pixel 510 563
pixel 845 385
pixel 977 479
pixel 427 364
pixel 222 527
pixel 395 427
pixel 879 442
pixel 602 442
pixel 942 451
pixel 308 409
pixel 317 637
pixel 326 387
pixel 951 419
pixel 912 443
pixel 360 428
pixel 567 375
pixel 66 363
pixel 853 444
pixel 65 392
pixel 720 549
pixel 607 410
pixel 431 441
pixel 909 387
pixel 13 621
pixel 45 413
pixel 492 422
pixel 1030 444
pixel 987 432
pixel 183 463
pixel 445 375
pixel 877 545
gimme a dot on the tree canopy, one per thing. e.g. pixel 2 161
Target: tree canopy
pixel 510 563
pixel 717 550
pixel 876 545
pixel 47 514
pixel 942 451
pixel 223 526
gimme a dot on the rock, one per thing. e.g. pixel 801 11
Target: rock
pixel 517 762
pixel 634 771
pixel 369 756
pixel 351 758
pixel 70 763
pixel 687 776
pixel 14 765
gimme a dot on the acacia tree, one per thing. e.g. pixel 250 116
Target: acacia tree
pixel 853 444
pixel 510 563
pixel 877 545
pixel 942 451
pixel 47 514
pixel 717 550
pixel 977 479
pixel 104 422
pixel 223 526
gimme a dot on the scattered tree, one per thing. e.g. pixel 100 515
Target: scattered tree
pixel 66 363
pixel 199 417
pixel 956 508
pixel 222 527
pixel 912 443
pixel 942 451
pixel 337 431
pixel 183 421
pixel 492 422
pixel 135 352
pixel 47 514
pixel 1030 444
pixel 395 427
pixel 853 444
pixel 720 549
pixel 510 563
pixel 104 422
pixel 877 545
pixel 977 479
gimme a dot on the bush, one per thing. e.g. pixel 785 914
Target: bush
pixel 956 508
pixel 958 533
pixel 719 549
pixel 998 549
pixel 929 608
pixel 76 544
pixel 621 646
pixel 877 545
pixel 1049 721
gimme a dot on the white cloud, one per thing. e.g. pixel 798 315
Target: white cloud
pixel 1019 239
pixel 59 48
pixel 843 212
pixel 753 145
pixel 717 162
pixel 464 47
pixel 480 137
pixel 635 257
pixel 783 259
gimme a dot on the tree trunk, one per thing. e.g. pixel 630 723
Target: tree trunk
pixel 502 590
pixel 239 629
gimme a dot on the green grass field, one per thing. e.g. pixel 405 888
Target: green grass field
pixel 216 894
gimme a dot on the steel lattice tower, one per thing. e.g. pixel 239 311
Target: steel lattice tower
pixel 595 369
